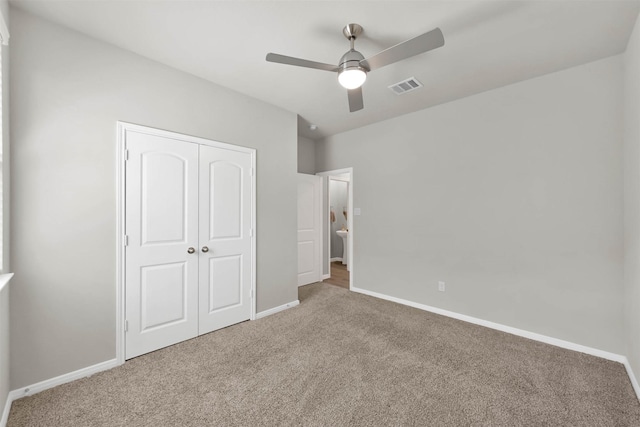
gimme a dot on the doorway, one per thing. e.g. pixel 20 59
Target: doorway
pixel 338 228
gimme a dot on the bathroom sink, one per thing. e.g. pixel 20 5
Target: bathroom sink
pixel 344 235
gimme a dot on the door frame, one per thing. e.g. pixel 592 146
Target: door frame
pixel 121 158
pixel 338 178
pixel 326 175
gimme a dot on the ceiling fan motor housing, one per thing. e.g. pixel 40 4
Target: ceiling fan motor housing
pixel 351 74
pixel 351 60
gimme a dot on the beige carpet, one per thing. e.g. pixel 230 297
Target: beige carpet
pixel 341 359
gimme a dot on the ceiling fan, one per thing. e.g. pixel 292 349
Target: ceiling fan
pixel 353 67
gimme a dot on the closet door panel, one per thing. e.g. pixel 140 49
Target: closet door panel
pixel 225 241
pixel 161 222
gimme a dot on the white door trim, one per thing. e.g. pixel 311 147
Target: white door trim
pixel 122 129
pixel 350 223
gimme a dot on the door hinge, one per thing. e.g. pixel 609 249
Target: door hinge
pixel 251 232
pixel 126 155
pixel 251 171
pixel 126 326
pixel 126 240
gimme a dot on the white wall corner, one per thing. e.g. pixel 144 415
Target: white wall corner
pixel 4 279
pixel 632 377
pixel 6 410
pixel 4 31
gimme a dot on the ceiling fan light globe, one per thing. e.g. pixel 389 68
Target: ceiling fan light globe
pixel 352 78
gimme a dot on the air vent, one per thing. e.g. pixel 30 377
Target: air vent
pixel 405 86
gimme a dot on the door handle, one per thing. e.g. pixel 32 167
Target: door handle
pixel 191 250
pixel 205 249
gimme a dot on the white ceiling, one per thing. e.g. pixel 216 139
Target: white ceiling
pixel 488 44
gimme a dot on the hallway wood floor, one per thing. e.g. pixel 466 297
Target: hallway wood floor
pixel 339 275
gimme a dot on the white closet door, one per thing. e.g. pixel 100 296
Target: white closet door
pixel 225 237
pixel 161 217
pixel 309 228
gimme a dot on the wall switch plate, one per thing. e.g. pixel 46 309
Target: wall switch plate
pixel 441 286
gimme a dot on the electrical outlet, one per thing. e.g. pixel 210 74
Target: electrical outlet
pixel 441 286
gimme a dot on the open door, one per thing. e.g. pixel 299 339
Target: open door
pixel 309 228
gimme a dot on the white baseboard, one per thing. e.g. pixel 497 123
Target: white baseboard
pixel 326 276
pixel 277 309
pixel 514 331
pixel 47 384
pixel 335 259
pixel 63 379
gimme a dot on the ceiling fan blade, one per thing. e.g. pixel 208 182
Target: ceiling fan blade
pixel 290 60
pixel 423 43
pixel 355 99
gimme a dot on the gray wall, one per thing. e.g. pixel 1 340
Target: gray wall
pixel 4 294
pixel 632 198
pixel 306 156
pixel 68 92
pixel 513 197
